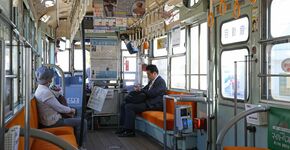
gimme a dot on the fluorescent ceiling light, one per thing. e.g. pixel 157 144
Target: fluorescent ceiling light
pixel 49 3
pixel 44 18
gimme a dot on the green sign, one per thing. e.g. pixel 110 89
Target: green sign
pixel 279 129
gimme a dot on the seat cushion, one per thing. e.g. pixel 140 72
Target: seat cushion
pixel 156 117
pixel 243 148
pixel 60 130
pixel 43 145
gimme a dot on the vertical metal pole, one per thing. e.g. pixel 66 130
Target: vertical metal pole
pixel 254 139
pixel 215 104
pixel 209 82
pixel 2 125
pixel 235 102
pixel 164 123
pixel 245 99
pixel 27 100
pixel 84 83
pixel 174 127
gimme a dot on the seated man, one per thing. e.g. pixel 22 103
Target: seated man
pixel 147 98
pixel 49 108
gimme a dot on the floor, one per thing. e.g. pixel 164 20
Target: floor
pixel 105 139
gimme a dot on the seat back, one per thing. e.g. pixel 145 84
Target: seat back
pixel 34 114
pixel 19 119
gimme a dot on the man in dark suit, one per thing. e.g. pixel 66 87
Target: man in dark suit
pixel 139 100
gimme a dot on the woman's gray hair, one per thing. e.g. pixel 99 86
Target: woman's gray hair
pixel 44 74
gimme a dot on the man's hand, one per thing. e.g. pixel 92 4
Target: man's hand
pixel 137 88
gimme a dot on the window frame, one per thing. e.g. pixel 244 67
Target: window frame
pixel 69 61
pixel 162 58
pixel 220 74
pixel 122 68
pixel 199 74
pixel 268 40
pixel 170 66
pixel 172 55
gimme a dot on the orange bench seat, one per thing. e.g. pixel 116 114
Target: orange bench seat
pixel 156 117
pixel 64 132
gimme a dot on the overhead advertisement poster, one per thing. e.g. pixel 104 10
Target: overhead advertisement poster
pixel 111 15
pixel 104 58
pixel 124 8
pixel 110 24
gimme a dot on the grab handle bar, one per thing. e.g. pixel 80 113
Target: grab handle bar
pixel 238 117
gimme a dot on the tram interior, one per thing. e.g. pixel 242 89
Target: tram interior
pixel 209 74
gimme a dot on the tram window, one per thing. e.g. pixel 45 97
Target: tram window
pixel 145 79
pixel 162 67
pixel 128 83
pixel 144 73
pixel 15 59
pixel 235 31
pixel 199 56
pixel 9 81
pixel 78 59
pixel 178 48
pixel 129 76
pixel 228 57
pixel 278 63
pixel 178 72
pixel 160 45
pixel 126 53
pixel 129 67
pixel 63 60
pixel 129 64
pixel 279 22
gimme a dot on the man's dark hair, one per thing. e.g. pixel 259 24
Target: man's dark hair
pixel 152 68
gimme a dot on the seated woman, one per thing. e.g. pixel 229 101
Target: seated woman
pixel 49 108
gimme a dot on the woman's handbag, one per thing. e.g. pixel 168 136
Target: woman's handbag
pixel 61 99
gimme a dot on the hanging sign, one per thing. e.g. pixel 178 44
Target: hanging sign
pixel 176 37
pixel 122 8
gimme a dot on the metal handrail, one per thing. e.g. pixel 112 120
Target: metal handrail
pixel 273 75
pixel 189 98
pixel 61 74
pixel 40 134
pixel 7 20
pixel 234 120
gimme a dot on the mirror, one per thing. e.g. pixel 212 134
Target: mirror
pixel 190 3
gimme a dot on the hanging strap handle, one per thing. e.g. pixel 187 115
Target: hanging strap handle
pixel 210 17
pixel 253 1
pixel 237 9
pixel 222 7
